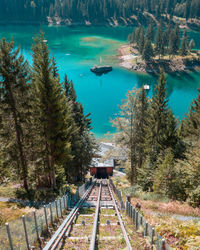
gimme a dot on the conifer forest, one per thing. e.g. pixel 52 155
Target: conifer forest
pixel 100 124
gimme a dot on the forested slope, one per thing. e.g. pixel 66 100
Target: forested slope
pixel 98 11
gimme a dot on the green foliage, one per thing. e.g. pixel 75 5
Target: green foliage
pixel 98 11
pixel 184 45
pixel 43 128
pixel 147 53
pixel 186 234
pixel 52 113
pixel 159 42
pixel 164 175
pixel 82 142
pixel 161 129
pixel 131 126
pixel 14 108
pixel 194 197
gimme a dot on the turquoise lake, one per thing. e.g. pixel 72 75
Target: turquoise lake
pixel 77 49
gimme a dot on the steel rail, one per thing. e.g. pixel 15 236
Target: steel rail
pixel 58 235
pixel 96 218
pixel 120 221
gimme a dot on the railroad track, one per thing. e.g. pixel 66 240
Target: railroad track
pixel 94 223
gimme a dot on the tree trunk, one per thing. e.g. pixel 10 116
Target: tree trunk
pixel 53 174
pixel 18 131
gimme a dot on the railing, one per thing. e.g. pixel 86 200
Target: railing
pixel 25 231
pixel 121 222
pixel 118 193
pixel 139 221
pixel 96 218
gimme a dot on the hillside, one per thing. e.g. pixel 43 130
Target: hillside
pixel 95 12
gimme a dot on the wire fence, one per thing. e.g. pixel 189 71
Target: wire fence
pixel 25 231
pixel 148 231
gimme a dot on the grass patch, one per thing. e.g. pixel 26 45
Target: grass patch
pixel 179 234
pixel 111 244
pixel 8 191
pixel 107 211
pixel 103 219
pixel 75 244
pixel 81 231
pixel 11 211
pixel 109 230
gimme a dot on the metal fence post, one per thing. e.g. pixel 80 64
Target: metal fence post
pixel 25 231
pixel 131 212
pixel 133 215
pixel 152 236
pixel 64 202
pixel 45 214
pixel 141 220
pixel 56 208
pixel 146 229
pixel 51 214
pixel 36 225
pixel 60 207
pixel 66 197
pixel 136 220
pixel 9 236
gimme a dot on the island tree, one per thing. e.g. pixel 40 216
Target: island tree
pixel 14 115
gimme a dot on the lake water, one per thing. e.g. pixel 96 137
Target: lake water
pixel 77 49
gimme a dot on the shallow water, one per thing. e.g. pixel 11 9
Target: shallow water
pixel 77 49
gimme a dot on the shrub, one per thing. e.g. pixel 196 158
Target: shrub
pixel 194 197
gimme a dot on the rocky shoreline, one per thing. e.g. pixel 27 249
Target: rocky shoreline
pixel 132 61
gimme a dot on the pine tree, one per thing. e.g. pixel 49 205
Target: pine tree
pixel 81 142
pixel 52 114
pixel 150 32
pixel 147 51
pixel 14 87
pixel 157 122
pixel 130 124
pixel 177 37
pixel 159 44
pixel 141 40
pixel 164 175
pixel 187 9
pixel 191 123
pixel 184 47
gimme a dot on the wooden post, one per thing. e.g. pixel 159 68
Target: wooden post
pixel 9 236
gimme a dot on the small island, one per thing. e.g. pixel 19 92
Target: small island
pixel 149 52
